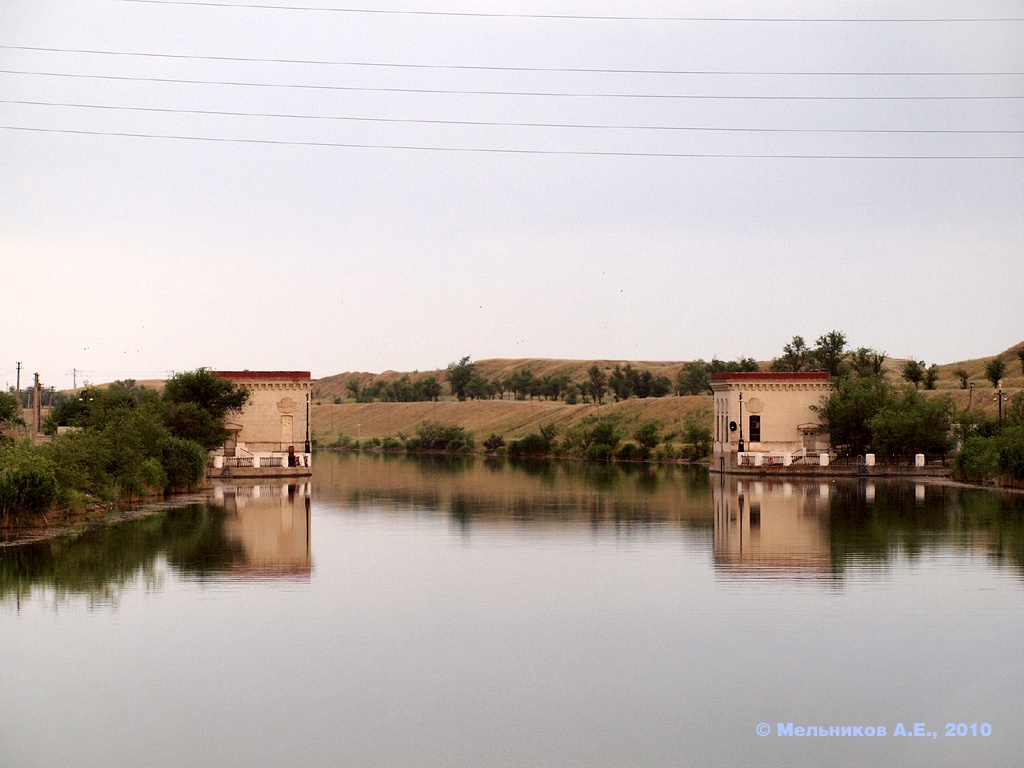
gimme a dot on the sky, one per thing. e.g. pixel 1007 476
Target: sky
pixel 342 185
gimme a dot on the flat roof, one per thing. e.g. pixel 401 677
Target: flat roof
pixel 264 375
pixel 771 376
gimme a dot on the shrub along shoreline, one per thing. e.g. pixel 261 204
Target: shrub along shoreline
pixel 596 438
pixel 126 444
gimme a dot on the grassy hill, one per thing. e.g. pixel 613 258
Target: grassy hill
pixel 513 419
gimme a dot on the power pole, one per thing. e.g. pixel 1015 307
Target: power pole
pixel 37 412
pixel 74 378
pixel 17 385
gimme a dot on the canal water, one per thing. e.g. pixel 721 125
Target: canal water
pixel 426 612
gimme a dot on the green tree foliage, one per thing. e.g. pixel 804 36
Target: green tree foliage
pixel 28 483
pixel 931 376
pixel 9 411
pixel 913 371
pixel 867 362
pixel 353 386
pixel 846 415
pixel 493 443
pixel 648 434
pixel 1020 357
pixel 198 403
pixel 912 423
pixel 694 378
pixel 831 352
pixel 963 376
pixel 459 375
pixel 596 384
pixel 995 370
pixel 795 356
pixel 435 436
pixel 697 435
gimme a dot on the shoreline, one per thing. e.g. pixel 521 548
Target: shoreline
pixel 75 523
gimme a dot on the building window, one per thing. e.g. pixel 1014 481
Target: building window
pixel 755 429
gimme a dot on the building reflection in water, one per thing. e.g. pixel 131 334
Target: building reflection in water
pixel 270 522
pixel 772 528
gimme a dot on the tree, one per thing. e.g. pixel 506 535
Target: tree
pixel 1020 356
pixel 963 376
pixel 595 384
pixel 912 424
pixel 619 383
pixel 794 356
pixel 995 370
pixel 697 433
pixel 931 376
pixel 831 351
pixel 867 362
pixel 10 413
pixel 478 388
pixel 913 372
pixel 459 375
pixel 198 403
pixel 846 414
pixel 693 378
pixel 648 434
pixel 353 386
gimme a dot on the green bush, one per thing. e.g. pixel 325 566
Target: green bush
pixel 978 461
pixel 434 436
pixel 531 445
pixel 600 452
pixel 493 443
pixel 27 484
pixel 183 462
pixel 391 445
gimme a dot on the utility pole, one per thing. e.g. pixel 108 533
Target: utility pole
pixel 17 385
pixel 74 378
pixel 37 413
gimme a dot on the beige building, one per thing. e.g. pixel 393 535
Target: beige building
pixel 271 436
pixel 765 419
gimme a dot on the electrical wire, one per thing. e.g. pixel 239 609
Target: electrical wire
pixel 506 150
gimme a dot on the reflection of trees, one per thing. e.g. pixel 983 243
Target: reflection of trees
pixel 101 561
pixel 899 521
pixel 522 492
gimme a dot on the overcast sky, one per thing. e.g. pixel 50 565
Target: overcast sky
pixel 432 223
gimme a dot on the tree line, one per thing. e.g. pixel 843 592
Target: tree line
pixel 126 442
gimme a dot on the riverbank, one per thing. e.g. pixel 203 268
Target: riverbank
pixel 74 522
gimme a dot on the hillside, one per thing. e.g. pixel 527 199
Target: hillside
pixel 509 418
pixel 513 419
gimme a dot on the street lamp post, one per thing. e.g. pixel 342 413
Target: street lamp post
pixel 741 422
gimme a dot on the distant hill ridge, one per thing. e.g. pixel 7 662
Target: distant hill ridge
pixel 332 386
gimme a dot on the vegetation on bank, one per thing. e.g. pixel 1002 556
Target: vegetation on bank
pixel 125 442
pixel 868 413
pixel 596 438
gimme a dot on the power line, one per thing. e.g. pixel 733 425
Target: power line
pixel 504 124
pixel 469 92
pixel 506 150
pixel 565 16
pixel 495 68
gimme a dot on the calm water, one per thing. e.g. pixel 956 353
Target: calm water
pixel 396 612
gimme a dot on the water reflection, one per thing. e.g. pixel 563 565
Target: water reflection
pixel 270 523
pixel 531 494
pixel 820 529
pixel 255 531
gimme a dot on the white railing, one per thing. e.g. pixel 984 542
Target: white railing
pixel 262 461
